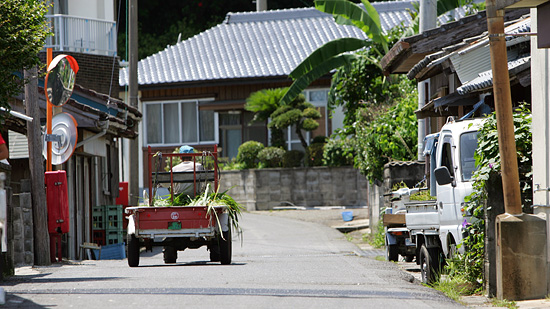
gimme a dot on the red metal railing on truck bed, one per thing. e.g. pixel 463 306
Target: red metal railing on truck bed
pixel 210 175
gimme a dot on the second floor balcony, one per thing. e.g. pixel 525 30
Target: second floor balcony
pixel 83 35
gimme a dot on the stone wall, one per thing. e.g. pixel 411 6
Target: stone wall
pixel 264 189
pixel 409 172
pixel 22 242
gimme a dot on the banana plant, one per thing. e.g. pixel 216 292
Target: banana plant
pixel 337 53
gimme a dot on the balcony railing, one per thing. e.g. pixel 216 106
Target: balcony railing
pixel 83 35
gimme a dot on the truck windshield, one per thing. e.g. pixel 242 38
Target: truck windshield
pixel 468 145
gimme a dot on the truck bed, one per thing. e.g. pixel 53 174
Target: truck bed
pixel 422 215
pixel 173 221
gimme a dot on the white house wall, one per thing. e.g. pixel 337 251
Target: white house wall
pixel 97 9
pixel 337 120
pixel 540 92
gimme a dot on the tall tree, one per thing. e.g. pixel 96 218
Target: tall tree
pixel 23 32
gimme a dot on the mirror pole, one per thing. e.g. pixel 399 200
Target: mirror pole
pixel 49 112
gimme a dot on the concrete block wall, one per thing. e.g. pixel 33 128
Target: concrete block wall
pixel 264 189
pixel 22 244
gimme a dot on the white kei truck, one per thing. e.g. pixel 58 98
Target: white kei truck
pixel 437 227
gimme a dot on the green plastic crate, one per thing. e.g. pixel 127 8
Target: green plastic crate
pixel 113 218
pixel 98 218
pixel 114 237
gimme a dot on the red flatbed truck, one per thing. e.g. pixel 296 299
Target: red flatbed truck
pixel 177 228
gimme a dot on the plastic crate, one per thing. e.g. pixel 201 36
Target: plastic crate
pixel 111 252
pixel 98 218
pixel 114 237
pixel 98 237
pixel 114 217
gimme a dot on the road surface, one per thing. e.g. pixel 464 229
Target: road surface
pixel 282 263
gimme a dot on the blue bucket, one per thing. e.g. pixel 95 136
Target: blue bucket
pixel 347 215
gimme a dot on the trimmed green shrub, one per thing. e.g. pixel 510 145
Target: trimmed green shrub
pixel 338 152
pixel 248 153
pixel 277 138
pixel 271 157
pixel 293 158
pixel 319 139
pixel 314 154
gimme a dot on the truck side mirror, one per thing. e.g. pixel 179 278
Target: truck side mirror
pixel 443 176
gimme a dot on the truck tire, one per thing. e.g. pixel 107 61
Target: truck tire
pixel 170 255
pixel 133 250
pixel 392 253
pixel 429 264
pixel 214 249
pixel 225 247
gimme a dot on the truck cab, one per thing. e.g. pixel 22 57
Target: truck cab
pixel 453 171
pixel 437 227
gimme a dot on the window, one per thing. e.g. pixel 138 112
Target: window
pixel 447 157
pixel 178 122
pixel 468 145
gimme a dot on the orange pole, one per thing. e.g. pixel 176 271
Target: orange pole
pixel 49 112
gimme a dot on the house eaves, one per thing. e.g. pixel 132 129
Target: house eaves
pixel 468 56
pixel 471 60
pixel 121 119
pixel 432 64
pixel 251 45
pixel 406 53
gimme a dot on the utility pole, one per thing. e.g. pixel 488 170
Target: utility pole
pixel 503 104
pixel 36 165
pixel 521 267
pixel 133 152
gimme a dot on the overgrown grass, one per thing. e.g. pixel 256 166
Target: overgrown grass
pixel 377 237
pixel 504 303
pixel 349 237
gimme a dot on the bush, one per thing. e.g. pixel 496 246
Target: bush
pixel 319 139
pixel 293 158
pixel 271 157
pixel 314 154
pixel 248 153
pixel 338 152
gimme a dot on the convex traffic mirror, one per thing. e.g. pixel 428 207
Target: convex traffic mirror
pixel 60 79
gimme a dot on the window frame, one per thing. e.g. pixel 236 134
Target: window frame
pixel 180 103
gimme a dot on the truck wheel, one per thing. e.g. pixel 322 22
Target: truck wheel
pixel 170 254
pixel 392 253
pixel 214 249
pixel 225 247
pixel 133 250
pixel 429 265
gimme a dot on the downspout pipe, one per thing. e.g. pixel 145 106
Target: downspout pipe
pixel 91 138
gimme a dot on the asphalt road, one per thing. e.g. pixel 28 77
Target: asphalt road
pixel 282 263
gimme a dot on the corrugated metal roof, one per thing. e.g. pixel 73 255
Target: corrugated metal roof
pixel 485 79
pixel 254 44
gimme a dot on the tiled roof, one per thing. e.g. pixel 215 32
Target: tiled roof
pixel 254 44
